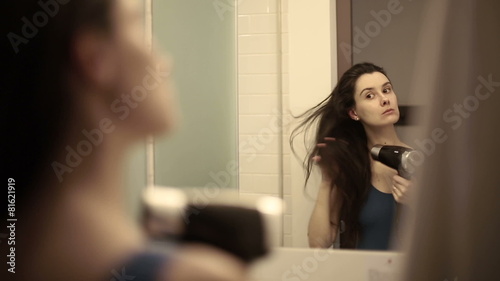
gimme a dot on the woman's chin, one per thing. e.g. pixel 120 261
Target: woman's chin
pixel 391 119
pixel 385 123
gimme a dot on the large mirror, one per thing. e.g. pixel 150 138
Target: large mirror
pixel 242 68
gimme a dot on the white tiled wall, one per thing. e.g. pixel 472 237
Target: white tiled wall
pixel 263 99
pixel 267 58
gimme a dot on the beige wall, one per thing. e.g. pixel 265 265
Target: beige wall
pixel 263 158
pixel 312 54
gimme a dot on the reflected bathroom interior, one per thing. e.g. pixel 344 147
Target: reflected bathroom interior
pixel 272 81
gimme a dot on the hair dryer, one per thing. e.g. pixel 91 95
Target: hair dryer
pixel 242 230
pixel 397 157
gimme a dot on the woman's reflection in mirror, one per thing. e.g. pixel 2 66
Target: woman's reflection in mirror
pixel 358 197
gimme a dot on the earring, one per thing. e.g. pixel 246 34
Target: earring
pixel 357 118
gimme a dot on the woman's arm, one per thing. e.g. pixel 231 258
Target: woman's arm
pixel 325 218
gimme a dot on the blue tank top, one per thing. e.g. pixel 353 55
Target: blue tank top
pixel 376 220
pixel 144 266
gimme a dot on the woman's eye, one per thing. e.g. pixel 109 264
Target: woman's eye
pixel 369 96
pixel 387 90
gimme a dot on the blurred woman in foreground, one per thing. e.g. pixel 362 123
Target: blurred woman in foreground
pixel 81 88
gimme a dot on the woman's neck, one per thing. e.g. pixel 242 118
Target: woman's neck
pixel 97 146
pixel 382 135
pixel 90 175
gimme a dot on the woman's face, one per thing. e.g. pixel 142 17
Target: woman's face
pixel 376 102
pixel 142 98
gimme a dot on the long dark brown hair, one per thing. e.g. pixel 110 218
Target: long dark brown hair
pixel 345 160
pixel 37 103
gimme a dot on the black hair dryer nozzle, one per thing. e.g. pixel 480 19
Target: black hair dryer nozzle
pixel 397 157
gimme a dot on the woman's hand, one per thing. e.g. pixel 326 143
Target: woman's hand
pixel 326 174
pixel 401 189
